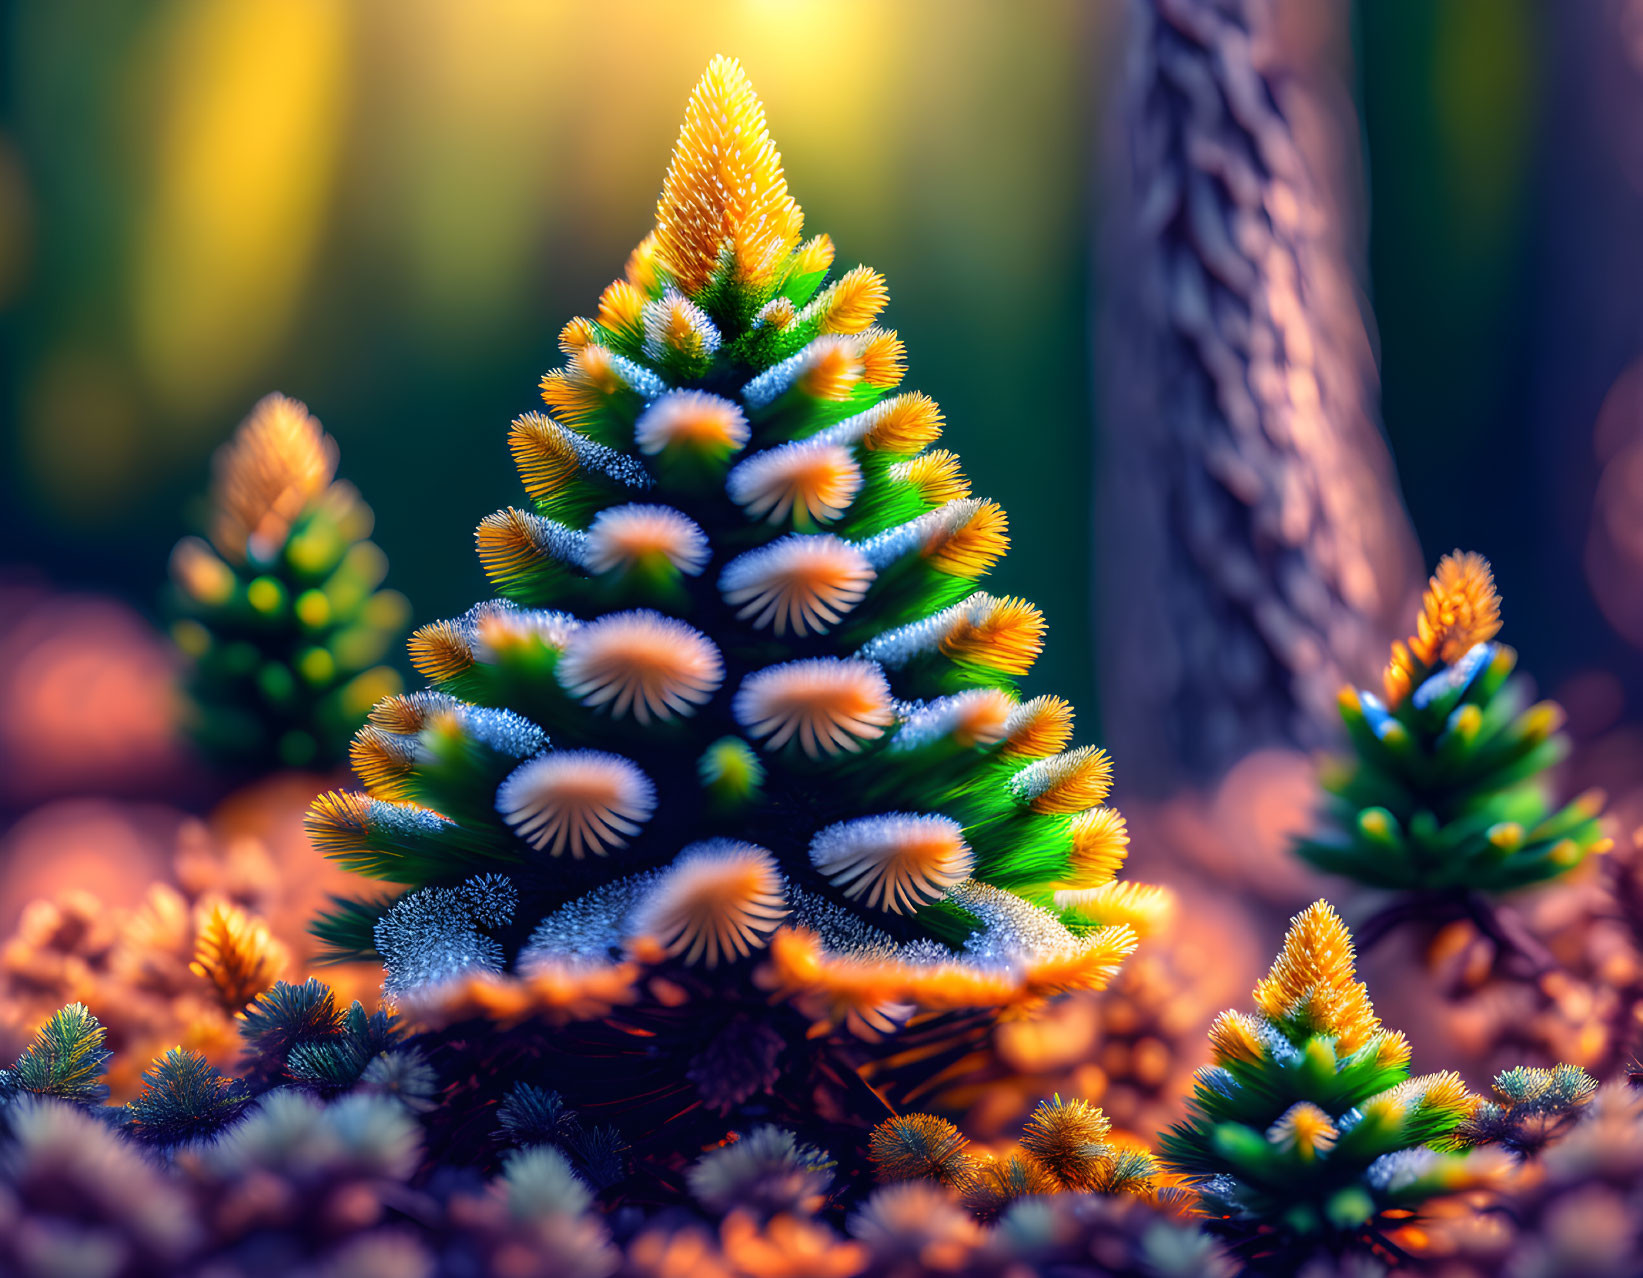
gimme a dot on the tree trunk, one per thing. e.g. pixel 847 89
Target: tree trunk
pixel 1256 551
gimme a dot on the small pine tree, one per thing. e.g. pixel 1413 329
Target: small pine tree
pixel 1307 1136
pixel 279 612
pixel 331 1063
pixel 740 708
pixel 534 1116
pixel 284 1018
pixel 1446 800
pixel 1534 1108
pixel 66 1060
pixel 1578 1210
pixel 184 1100
pixel 922 1147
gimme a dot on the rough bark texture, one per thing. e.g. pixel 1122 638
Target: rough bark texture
pixel 1257 550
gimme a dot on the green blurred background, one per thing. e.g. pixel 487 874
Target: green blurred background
pixel 388 208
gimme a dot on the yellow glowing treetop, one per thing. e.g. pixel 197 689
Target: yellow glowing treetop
pixel 277 462
pixel 1313 981
pixel 724 193
pixel 1459 610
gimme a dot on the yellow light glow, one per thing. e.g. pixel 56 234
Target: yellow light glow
pixel 253 96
